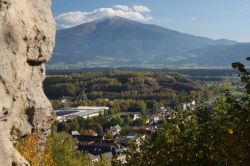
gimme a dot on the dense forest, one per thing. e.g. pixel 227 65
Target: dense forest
pixel 191 72
pixel 128 90
pixel 119 84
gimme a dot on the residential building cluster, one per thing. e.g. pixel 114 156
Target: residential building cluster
pixel 114 142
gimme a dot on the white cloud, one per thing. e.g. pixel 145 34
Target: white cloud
pixel 70 19
pixel 122 7
pixel 141 8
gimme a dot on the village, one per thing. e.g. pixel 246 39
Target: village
pixel 113 143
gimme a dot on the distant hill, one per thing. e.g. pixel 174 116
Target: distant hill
pixel 118 42
pixel 136 85
pixel 221 55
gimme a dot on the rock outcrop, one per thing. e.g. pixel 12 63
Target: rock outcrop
pixel 27 32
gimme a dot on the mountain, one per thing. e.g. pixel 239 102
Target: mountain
pixel 221 55
pixel 121 42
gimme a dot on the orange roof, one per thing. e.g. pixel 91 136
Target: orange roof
pixel 92 132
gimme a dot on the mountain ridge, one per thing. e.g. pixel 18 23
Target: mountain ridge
pixel 121 42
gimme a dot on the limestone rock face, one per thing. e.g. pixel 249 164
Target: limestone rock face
pixel 27 32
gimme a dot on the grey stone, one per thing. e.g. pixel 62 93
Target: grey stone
pixel 27 33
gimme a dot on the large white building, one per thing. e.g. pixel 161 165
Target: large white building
pixel 81 111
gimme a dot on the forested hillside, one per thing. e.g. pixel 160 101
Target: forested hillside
pixel 119 84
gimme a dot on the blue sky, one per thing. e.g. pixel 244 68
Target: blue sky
pixel 216 19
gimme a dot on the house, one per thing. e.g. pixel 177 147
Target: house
pixel 95 149
pixel 162 109
pixel 154 119
pixel 92 132
pixel 104 151
pixel 122 158
pixel 134 115
pixel 148 129
pixel 88 139
pixel 125 140
pixel 171 114
pixel 159 125
pixel 94 158
pixel 114 130
pixel 74 133
pixel 189 106
pixel 97 152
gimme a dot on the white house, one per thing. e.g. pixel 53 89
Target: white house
pixel 115 130
pixel 186 106
pixel 134 116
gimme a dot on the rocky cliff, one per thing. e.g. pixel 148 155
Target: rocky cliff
pixel 27 32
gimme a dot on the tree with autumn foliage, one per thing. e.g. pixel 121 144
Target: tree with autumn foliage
pixel 28 147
